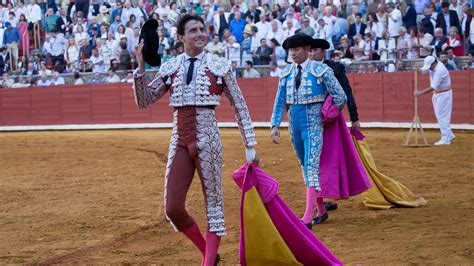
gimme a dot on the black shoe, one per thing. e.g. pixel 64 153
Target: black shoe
pixel 330 206
pixel 308 225
pixel 320 219
pixel 217 260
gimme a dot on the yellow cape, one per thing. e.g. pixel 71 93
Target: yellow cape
pixel 385 192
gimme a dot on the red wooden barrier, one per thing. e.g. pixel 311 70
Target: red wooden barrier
pixel 381 97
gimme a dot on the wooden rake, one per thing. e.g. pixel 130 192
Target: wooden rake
pixel 416 129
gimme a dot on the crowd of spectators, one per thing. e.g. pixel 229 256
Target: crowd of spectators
pixel 101 36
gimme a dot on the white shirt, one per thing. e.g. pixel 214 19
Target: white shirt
pixel 278 35
pixel 232 52
pixel 58 81
pixel 275 73
pixel 126 12
pixel 43 83
pixel 98 64
pixel 439 77
pixel 57 45
pixel 197 63
pixel 115 78
pixel 255 43
pixel 263 29
pixel 303 67
pixel 386 49
pixel 21 10
pixel 33 13
pixel 471 32
pixel 394 22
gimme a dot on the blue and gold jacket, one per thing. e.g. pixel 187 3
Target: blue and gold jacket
pixel 317 81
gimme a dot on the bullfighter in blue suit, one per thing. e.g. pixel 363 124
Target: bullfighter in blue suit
pixel 302 90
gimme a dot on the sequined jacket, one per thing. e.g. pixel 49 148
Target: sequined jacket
pixel 317 81
pixel 214 77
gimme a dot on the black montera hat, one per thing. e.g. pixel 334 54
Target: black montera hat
pixel 297 40
pixel 320 43
pixel 150 42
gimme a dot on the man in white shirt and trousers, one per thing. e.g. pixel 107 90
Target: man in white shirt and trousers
pixel 440 85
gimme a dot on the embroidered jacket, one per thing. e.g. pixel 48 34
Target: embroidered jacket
pixel 317 81
pixel 213 78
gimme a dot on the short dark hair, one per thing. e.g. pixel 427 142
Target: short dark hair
pixel 178 44
pixel 248 62
pixel 449 48
pixel 358 14
pixel 184 20
pixel 444 4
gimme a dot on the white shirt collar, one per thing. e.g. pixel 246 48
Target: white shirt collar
pixel 199 56
pixel 304 64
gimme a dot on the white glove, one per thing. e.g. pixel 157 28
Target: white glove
pixel 250 154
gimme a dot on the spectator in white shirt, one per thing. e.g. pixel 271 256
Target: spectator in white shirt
pixel 374 25
pixel 323 32
pixel 71 54
pixel 288 31
pixel 255 42
pixel 275 32
pixel 394 20
pixel 127 11
pixel 112 77
pixel 43 81
pixel 329 18
pixel 232 50
pixel 425 43
pixel 12 19
pixel 44 71
pixel 133 40
pixel 6 82
pixel 80 34
pixel 293 21
pixel 96 61
pixel 78 79
pixel 33 12
pixel 57 79
pixel 162 8
pixel 111 45
pixel 386 47
pixel 263 27
pixel 128 78
pixel 275 71
pixel 20 8
pixel 358 49
pixel 249 71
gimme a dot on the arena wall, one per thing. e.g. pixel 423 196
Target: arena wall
pixel 381 97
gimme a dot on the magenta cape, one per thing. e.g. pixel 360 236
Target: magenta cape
pixel 341 172
pixel 270 233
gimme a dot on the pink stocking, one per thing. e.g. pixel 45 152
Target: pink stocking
pixel 320 206
pixel 212 245
pixel 194 234
pixel 310 198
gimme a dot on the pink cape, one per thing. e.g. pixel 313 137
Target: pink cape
pixel 302 243
pixel 341 173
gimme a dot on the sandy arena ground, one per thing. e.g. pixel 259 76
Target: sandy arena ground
pixel 95 197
